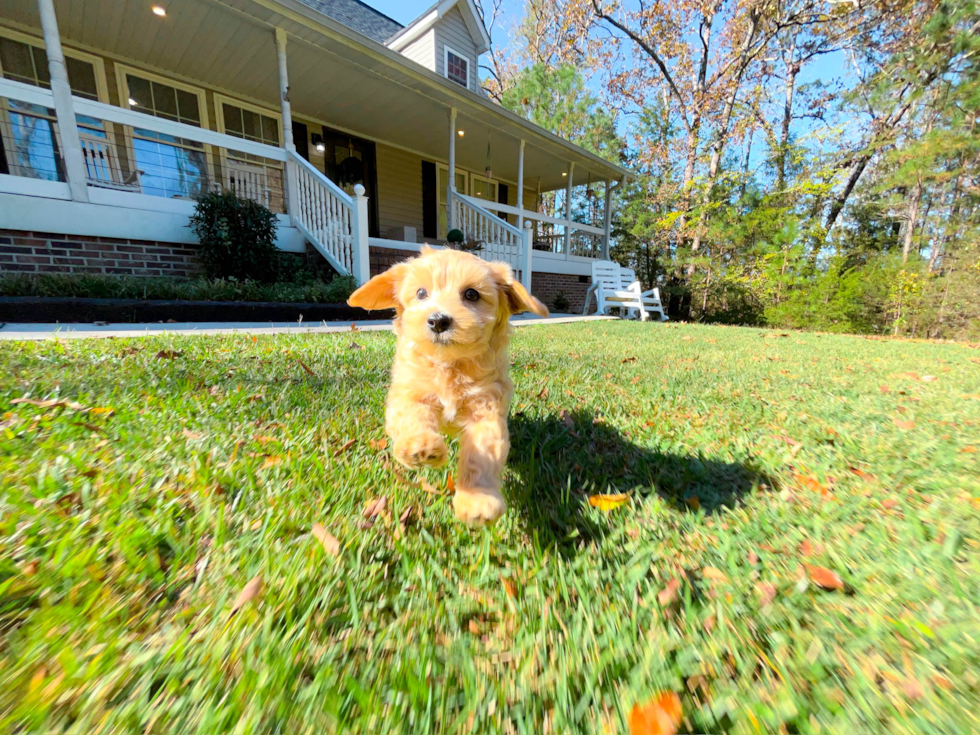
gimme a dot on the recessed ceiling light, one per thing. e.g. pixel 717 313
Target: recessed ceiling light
pixel 159 10
pixel 460 133
pixel 133 103
pixel 564 173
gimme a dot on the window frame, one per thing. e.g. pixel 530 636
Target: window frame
pixel 101 85
pixel 219 116
pixel 446 50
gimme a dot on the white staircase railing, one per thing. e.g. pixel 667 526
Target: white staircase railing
pixel 500 240
pixel 324 212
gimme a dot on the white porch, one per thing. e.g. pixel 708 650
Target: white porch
pixel 92 185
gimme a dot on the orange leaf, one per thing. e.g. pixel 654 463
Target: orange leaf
pixel 450 484
pixel 329 541
pixel 192 434
pixel 694 503
pixel 806 548
pixel 608 502
pixel 903 425
pixel 660 716
pixel 669 593
pixel 270 461
pixel 168 354
pixel 375 507
pixel 823 577
pixel 715 574
pixel 968 450
pixel 889 503
pixel 627 360
pixel 810 483
pixel 862 474
pixel 543 393
pixel 380 445
pixel 767 592
pixel 509 587
pixel 248 593
pixel 306 368
pixel 344 448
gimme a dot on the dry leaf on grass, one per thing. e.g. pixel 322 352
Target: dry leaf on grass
pixel 51 403
pixel 669 593
pixel 543 393
pixel 715 574
pixel 660 716
pixel 168 355
pixel 811 483
pixel 380 445
pixel 805 548
pixel 249 592
pixel 929 378
pixel 374 508
pixel 567 419
pixel 193 435
pixel 627 360
pixel 271 461
pixel 889 503
pixel 608 502
pixel 327 539
pixel 694 502
pixel 425 486
pixel 862 474
pixel 306 368
pixel 344 448
pixel 450 484
pixel 825 578
pixel 408 518
pixel 903 424
pixel 509 587
pixel 968 450
pixel 767 592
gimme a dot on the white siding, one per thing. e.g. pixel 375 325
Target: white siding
pixel 399 189
pixel 423 50
pixel 451 31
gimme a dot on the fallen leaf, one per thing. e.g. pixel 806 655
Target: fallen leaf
pixel 192 435
pixel 270 461
pixel 256 397
pixel 810 483
pixel 767 592
pixel 354 346
pixel 889 503
pixel 660 716
pixel 884 389
pixel 709 623
pixel 669 593
pixel 379 445
pixel 968 450
pixel 101 411
pixel 753 558
pixel 862 474
pixel 407 518
pixel 509 587
pixel 805 548
pixel 450 484
pixel 50 403
pixel 929 378
pixel 608 502
pixel 912 688
pixel 30 569
pixel 248 593
pixel 543 393
pixel 823 577
pixel 715 574
pixel 168 355
pixel 474 627
pixel 327 539
pixel 426 487
pixel 306 368
pixel 344 448
pixel 694 502
pixel 794 446
pixel 354 328
pixel 374 508
pixel 627 360
pixel 567 420
pixel 904 425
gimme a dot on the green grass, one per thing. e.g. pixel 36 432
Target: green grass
pixel 126 537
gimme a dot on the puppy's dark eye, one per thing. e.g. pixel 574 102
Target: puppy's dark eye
pixel 421 294
pixel 471 294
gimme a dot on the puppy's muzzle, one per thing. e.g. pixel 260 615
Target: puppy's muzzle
pixel 439 322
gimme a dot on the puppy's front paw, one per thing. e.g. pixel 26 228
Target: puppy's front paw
pixel 422 449
pixel 478 507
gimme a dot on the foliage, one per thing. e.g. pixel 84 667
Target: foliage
pixel 561 303
pixel 237 237
pixel 305 290
pixel 455 236
pixel 757 466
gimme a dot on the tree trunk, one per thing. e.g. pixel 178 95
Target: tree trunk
pixel 792 71
pixel 913 209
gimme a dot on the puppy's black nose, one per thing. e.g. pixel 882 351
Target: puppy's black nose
pixel 440 322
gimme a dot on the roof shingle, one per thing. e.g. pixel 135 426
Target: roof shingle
pixel 356 15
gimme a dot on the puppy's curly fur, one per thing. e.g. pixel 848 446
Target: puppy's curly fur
pixel 450 371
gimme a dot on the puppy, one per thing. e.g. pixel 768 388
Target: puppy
pixel 450 371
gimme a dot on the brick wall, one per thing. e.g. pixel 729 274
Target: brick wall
pixel 383 258
pixel 45 252
pixel 545 286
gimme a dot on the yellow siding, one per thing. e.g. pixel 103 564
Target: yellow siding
pixel 399 189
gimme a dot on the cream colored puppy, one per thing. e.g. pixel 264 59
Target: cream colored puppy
pixel 450 371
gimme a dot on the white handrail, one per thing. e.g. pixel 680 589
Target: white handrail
pixel 318 175
pixel 501 240
pixel 538 216
pixel 322 212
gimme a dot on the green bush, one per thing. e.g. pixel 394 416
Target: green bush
pixel 169 289
pixel 238 238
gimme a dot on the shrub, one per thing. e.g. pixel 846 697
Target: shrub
pixel 561 303
pixel 237 236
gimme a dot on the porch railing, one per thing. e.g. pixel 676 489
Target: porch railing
pixel 586 241
pixel 498 239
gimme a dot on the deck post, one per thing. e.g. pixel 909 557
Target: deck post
pixel 568 210
pixel 64 109
pixel 520 186
pixel 287 115
pixel 527 255
pixel 607 220
pixel 451 185
pixel 361 245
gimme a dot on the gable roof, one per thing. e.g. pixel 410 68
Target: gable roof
pixel 472 18
pixel 359 16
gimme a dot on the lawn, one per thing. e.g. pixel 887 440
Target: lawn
pixel 758 465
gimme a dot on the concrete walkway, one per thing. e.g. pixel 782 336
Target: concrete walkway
pixel 10 332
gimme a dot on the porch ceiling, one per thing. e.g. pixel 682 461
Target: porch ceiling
pixel 336 76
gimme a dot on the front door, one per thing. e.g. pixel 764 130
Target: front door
pixel 349 161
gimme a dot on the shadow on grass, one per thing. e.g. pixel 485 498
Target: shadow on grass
pixel 558 464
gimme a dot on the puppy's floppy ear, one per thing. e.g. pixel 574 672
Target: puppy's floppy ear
pixel 515 295
pixel 381 292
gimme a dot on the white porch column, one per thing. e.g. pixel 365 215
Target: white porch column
pixel 607 220
pixel 287 114
pixel 451 185
pixel 528 254
pixel 64 109
pixel 520 186
pixel 568 209
pixel 361 244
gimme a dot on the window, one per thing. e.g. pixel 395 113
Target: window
pixel 24 62
pixel 457 68
pixel 247 174
pixel 249 124
pixel 162 100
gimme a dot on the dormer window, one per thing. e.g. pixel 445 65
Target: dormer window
pixel 457 68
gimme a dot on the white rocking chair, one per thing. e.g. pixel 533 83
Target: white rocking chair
pixel 616 287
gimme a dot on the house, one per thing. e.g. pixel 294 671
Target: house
pixel 366 138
